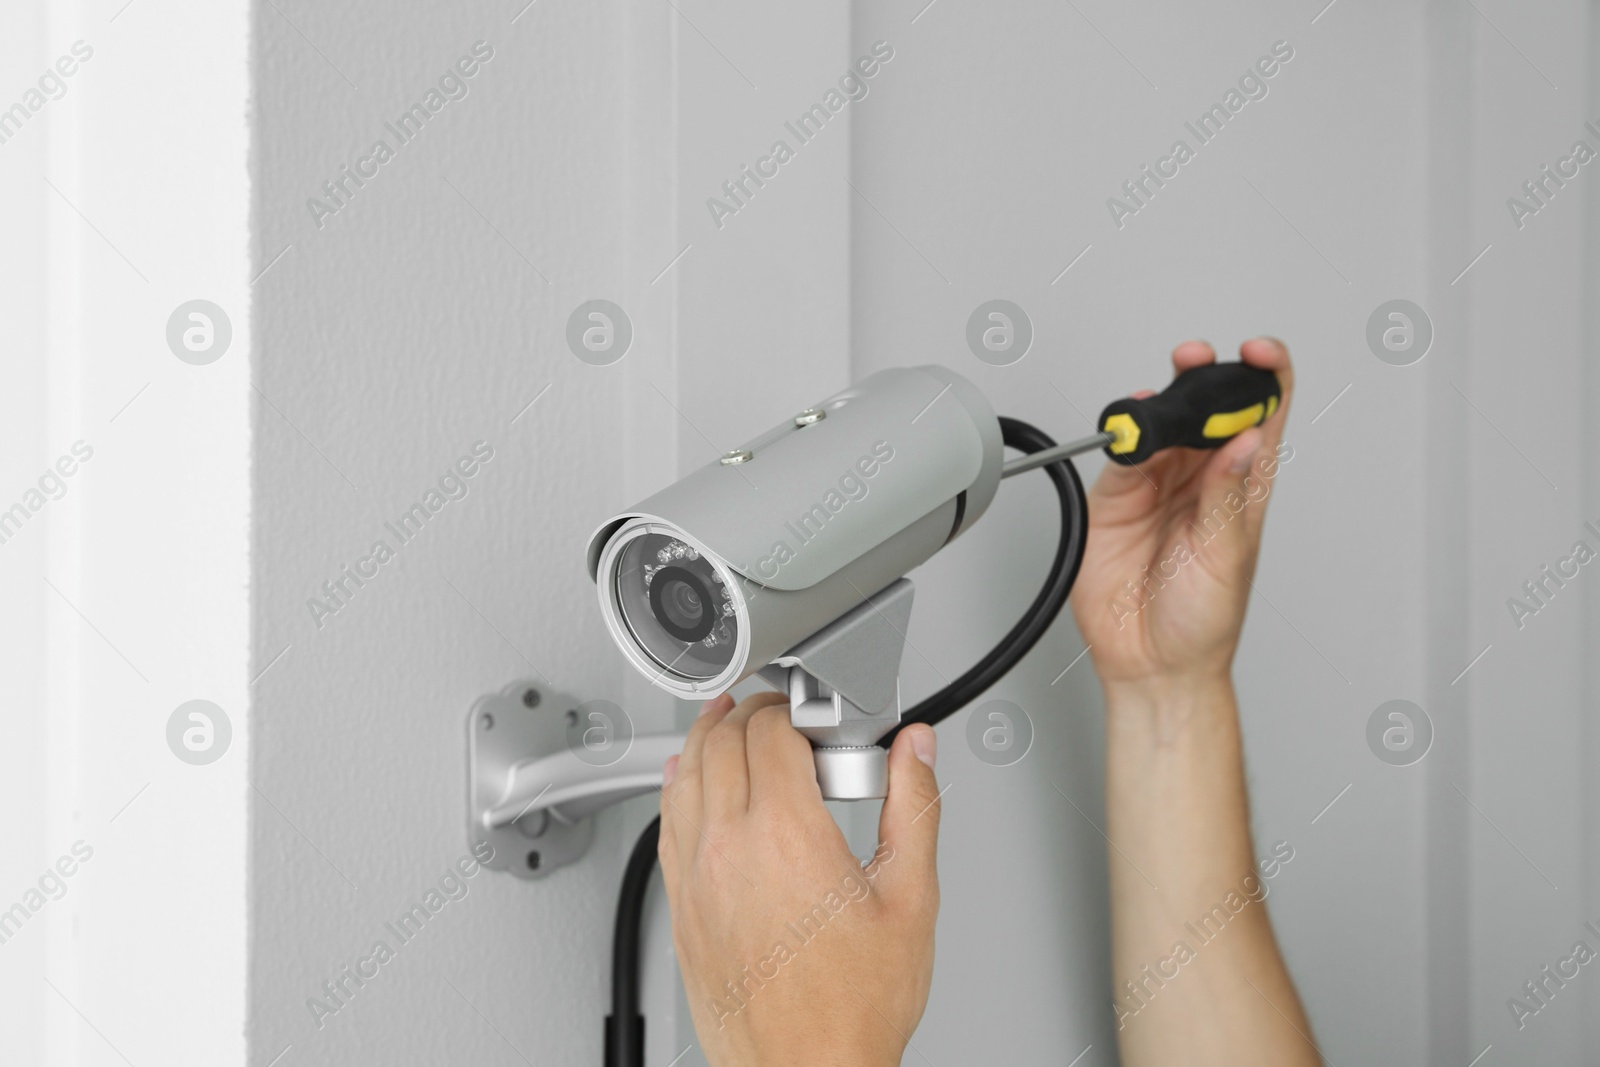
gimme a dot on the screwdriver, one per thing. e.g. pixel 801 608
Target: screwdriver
pixel 1204 407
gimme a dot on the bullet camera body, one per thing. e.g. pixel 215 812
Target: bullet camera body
pixel 726 570
pixel 788 557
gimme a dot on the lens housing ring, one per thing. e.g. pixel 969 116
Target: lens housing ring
pixel 686 685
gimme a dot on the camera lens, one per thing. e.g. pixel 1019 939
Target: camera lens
pixel 677 605
pixel 681 604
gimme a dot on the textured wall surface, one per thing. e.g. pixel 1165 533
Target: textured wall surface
pixel 417 319
pixel 1286 224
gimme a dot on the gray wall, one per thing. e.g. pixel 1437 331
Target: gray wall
pixel 1002 188
pixel 413 324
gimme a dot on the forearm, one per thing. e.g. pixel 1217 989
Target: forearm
pixel 1197 975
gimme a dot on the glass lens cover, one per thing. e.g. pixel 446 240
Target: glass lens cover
pixel 677 605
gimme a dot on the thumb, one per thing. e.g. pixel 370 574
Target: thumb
pixel 908 828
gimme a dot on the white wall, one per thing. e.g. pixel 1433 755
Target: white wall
pixel 24 785
pixel 126 595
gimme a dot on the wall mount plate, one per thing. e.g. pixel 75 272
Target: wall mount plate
pixel 539 765
pixel 524 721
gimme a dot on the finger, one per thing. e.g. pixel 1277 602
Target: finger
pixel 1230 488
pixel 667 840
pixel 1192 354
pixel 908 828
pixel 782 770
pixel 1142 485
pixel 1184 465
pixel 1221 474
pixel 1272 354
pixel 1132 487
pixel 1123 494
pixel 1122 486
pixel 683 803
pixel 725 767
pixel 689 759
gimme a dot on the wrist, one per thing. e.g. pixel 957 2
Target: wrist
pixel 1169 688
pixel 841 1042
pixel 805 1051
pixel 1161 709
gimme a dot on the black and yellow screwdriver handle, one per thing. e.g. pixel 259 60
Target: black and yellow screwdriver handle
pixel 1204 407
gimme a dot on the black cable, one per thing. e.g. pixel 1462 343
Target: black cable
pixel 625 1024
pixel 1045 607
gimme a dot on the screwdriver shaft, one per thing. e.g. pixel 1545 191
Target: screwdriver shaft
pixel 1051 455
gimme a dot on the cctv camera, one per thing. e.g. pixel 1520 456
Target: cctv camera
pixel 787 556
pixel 732 567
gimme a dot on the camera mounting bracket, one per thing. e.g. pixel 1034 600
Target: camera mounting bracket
pixel 534 778
pixel 535 775
pixel 844 691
